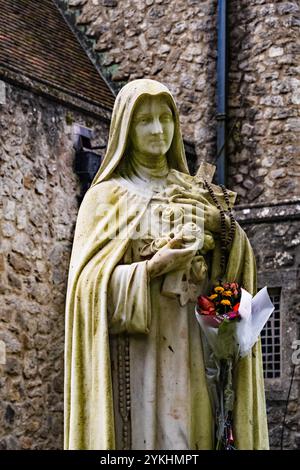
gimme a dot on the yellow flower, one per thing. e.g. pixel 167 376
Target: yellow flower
pixel 227 293
pixel 225 302
pixel 219 289
pixel 213 296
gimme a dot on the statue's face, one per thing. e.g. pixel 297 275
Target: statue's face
pixel 152 126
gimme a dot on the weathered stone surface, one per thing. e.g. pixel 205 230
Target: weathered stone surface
pixel 19 264
pixel 280 173
pixel 271 86
pixel 12 366
pixel 275 51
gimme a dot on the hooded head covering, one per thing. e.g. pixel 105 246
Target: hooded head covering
pixel 120 125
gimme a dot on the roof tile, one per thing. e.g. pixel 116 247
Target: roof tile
pixel 36 41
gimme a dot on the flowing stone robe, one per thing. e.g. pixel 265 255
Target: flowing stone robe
pixel 169 399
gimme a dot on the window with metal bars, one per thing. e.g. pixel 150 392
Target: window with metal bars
pixel 271 339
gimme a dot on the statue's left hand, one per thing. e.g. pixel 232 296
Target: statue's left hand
pixel 212 221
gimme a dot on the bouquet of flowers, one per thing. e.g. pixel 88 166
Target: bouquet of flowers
pixel 231 321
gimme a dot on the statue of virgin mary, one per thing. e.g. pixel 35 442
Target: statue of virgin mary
pixel 134 370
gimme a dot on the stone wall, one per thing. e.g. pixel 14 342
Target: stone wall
pixel 174 41
pixel 39 207
pixel 264 99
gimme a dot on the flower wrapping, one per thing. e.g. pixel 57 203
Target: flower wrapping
pixel 237 338
pixel 231 320
pixel 255 312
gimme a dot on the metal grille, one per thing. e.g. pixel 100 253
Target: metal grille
pixel 271 339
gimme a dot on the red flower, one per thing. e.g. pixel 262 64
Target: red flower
pixel 206 306
pixel 236 307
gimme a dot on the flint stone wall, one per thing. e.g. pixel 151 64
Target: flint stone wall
pixel 40 193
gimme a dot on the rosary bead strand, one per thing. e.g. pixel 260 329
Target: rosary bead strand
pixel 128 393
pixel 225 242
pixel 124 389
pixel 232 221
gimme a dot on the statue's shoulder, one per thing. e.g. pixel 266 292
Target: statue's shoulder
pixel 205 171
pixel 103 192
pixel 179 178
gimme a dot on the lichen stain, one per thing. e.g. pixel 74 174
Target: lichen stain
pixel 174 413
pixel 183 333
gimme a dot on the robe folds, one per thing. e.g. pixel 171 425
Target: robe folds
pixel 89 401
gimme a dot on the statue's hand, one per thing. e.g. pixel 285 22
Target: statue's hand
pixel 208 244
pixel 212 221
pixel 174 256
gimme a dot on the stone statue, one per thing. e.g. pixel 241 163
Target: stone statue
pixel 146 244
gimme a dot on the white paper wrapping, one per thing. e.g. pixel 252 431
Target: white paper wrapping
pixel 255 312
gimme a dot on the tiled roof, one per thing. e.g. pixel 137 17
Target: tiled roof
pixel 35 41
